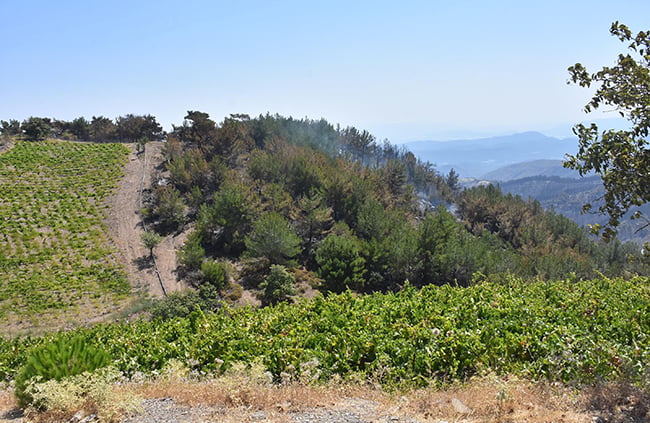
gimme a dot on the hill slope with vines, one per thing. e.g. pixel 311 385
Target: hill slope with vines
pixel 56 261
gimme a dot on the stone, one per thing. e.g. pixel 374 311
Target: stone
pixel 459 407
pixel 258 415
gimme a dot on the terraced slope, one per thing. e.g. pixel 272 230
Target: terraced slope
pixel 55 258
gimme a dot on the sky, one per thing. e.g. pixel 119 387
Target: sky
pixel 403 70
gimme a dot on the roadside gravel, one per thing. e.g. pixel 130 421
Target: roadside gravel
pixel 351 410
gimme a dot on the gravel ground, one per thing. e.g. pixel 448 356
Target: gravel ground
pixel 166 411
pixel 350 411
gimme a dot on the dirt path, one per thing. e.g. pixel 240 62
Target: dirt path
pixel 125 226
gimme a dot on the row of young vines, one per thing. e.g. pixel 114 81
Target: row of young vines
pixel 54 250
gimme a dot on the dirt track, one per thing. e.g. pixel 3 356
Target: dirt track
pixel 125 225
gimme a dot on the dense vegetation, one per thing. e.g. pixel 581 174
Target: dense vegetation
pixel 274 204
pixel 560 331
pixel 339 210
pixel 54 251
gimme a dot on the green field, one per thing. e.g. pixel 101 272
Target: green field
pixel 54 250
pixel 575 332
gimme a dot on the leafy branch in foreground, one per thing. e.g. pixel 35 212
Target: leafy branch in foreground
pixel 620 157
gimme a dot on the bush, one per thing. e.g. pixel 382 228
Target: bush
pixel 273 238
pixel 191 254
pixel 91 392
pixel 278 286
pixel 340 264
pixel 253 271
pixel 213 273
pixel 56 360
pixel 176 304
pixel 234 293
pixel 169 207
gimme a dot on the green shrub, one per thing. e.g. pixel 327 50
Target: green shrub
pixel 278 286
pixel 192 254
pixel 340 264
pixel 213 273
pixel 56 360
pixel 274 238
pixel 176 304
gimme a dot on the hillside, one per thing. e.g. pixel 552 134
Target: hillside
pixel 124 225
pixel 57 263
pixel 362 262
pixel 270 208
pixel 552 168
pixel 336 210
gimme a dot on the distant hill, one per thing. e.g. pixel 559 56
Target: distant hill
pixel 477 157
pixel 566 196
pixel 530 169
pixel 528 164
pixel 559 189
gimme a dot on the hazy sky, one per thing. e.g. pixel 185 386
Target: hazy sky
pixel 404 70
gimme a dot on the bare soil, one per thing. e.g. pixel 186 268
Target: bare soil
pixel 124 223
pixel 6 144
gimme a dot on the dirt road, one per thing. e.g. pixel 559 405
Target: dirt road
pixel 125 225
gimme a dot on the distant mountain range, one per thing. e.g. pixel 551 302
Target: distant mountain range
pixel 528 164
pixel 478 157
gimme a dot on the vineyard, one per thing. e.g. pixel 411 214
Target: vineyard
pixel 566 331
pixel 54 250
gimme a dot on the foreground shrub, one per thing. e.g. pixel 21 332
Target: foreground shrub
pixel 93 393
pixel 57 360
pixel 213 273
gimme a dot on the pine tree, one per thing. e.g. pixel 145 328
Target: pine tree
pixel 272 237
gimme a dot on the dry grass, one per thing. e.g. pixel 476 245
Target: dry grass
pixel 484 400
pixel 494 399
pixel 489 400
pixel 237 397
pixel 618 402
